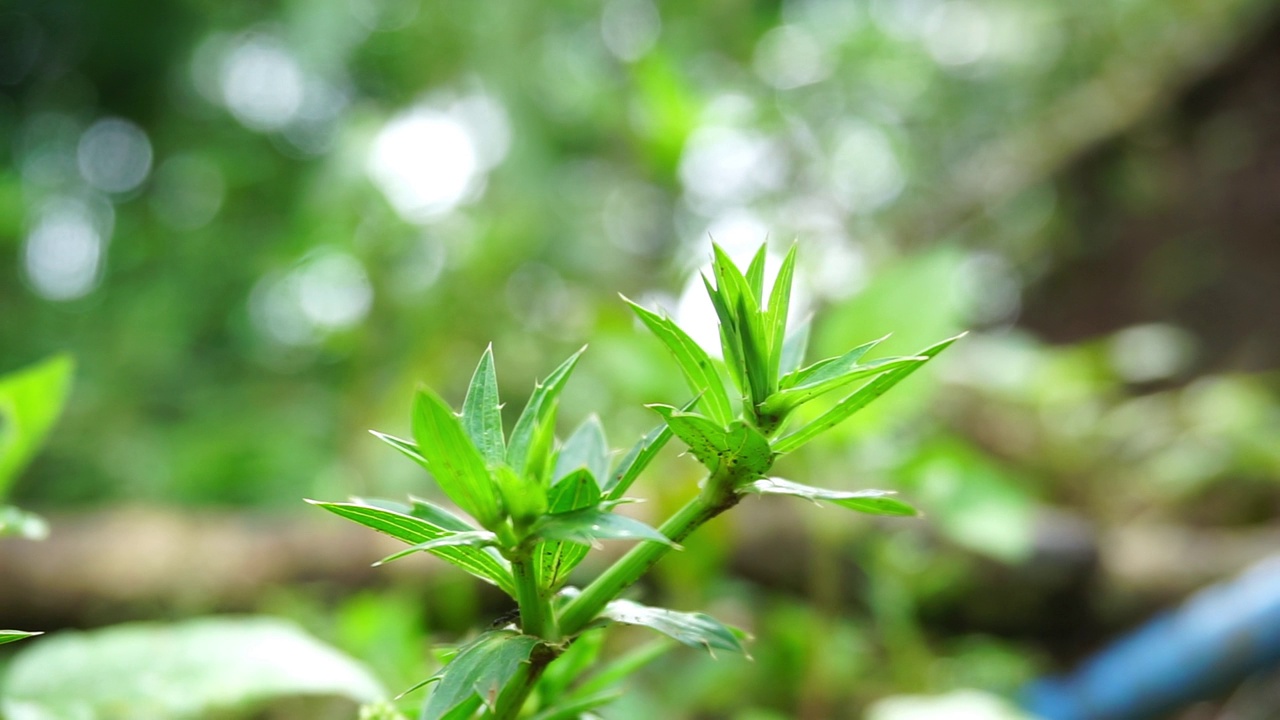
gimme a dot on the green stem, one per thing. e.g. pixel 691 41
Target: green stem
pixel 536 617
pixel 518 688
pixel 717 496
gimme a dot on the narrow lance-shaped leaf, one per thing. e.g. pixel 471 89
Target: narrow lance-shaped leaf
pixel 469 538
pixel 829 368
pixel 743 307
pixel 453 459
pixel 755 351
pixel 794 349
pixel 482 667
pixel 587 448
pixel 755 271
pixel 776 316
pixel 591 525
pixel 858 400
pixel 8 636
pixel 696 366
pixel 482 411
pixel 414 530
pixel 693 629
pixel 707 440
pixel 555 559
pixel 791 398
pixel 536 411
pixel 730 341
pixel 872 502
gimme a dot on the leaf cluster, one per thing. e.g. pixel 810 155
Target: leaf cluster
pixel 535 505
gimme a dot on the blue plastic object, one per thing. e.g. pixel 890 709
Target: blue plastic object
pixel 1219 637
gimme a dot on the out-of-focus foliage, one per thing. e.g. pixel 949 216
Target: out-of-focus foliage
pixel 225 667
pixel 257 226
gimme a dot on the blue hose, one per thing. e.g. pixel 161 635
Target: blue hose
pixel 1219 637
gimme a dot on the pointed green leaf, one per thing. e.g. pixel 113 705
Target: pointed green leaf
pixel 405 447
pixel 742 306
pixel 697 367
pixel 829 368
pixel 8 636
pixel 18 522
pixel 542 447
pixel 437 515
pixel 730 341
pixel 776 316
pixel 30 401
pixel 693 629
pixel 858 400
pixel 585 448
pixel 872 502
pixel 707 440
pixel 482 412
pixel 456 463
pixel 590 525
pixel 482 667
pixel 755 351
pixel 755 271
pixel 537 410
pixel 414 530
pixel 824 382
pixel 469 538
pixel 555 559
pixel 794 349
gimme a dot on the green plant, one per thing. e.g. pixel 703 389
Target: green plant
pixel 536 504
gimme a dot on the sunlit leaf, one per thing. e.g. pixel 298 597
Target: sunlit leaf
pixel 590 525
pixel 824 382
pixel 872 502
pixel 555 559
pixel 470 538
pixel 481 668
pixel 698 369
pixel 8 636
pixel 30 401
pixel 693 629
pixel 585 448
pixel 415 530
pixel 830 367
pixel 482 411
pixel 193 669
pixel 794 348
pixel 537 410
pixel 18 522
pixel 453 459
pixel 776 316
pixel 755 271
pixel 858 400
pixel 405 447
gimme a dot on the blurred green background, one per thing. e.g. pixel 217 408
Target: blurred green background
pixel 257 226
